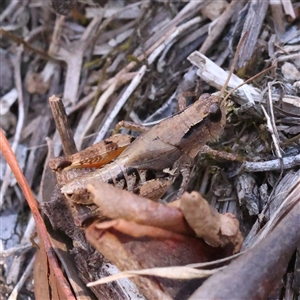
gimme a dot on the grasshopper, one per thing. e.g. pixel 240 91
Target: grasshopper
pixel 150 164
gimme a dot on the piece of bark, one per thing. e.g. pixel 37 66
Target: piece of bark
pixel 283 189
pixel 221 23
pixel 256 14
pixel 247 193
pixel 62 125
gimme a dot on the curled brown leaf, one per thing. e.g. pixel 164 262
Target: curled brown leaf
pixel 216 229
pixel 115 203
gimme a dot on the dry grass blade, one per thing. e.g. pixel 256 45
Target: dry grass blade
pixel 170 272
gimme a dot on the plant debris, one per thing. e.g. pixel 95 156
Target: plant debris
pixel 102 62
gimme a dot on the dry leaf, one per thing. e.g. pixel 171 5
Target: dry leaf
pixel 150 247
pixel 115 203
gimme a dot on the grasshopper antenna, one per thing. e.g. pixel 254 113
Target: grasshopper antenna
pixel 232 69
pixel 248 80
pixel 234 62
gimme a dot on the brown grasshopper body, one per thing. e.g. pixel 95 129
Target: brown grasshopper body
pixel 160 152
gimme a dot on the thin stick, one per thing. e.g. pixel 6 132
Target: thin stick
pixel 236 55
pixel 272 165
pixel 20 283
pixel 26 45
pixel 62 125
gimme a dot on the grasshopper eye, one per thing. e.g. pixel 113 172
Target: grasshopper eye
pixel 215 113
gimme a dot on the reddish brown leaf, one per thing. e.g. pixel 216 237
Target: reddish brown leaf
pixel 150 247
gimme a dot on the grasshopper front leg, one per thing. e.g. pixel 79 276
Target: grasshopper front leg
pixel 184 166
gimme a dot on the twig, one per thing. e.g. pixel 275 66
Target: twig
pixel 62 125
pixel 272 165
pixel 18 286
pixel 18 261
pixel 271 123
pixel 216 76
pixel 249 80
pixel 17 250
pixel 26 45
pixel 289 57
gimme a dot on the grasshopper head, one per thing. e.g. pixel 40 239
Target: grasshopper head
pixel 206 120
pixel 216 117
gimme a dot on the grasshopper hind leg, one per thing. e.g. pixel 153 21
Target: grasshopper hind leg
pixel 184 166
pixel 185 173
